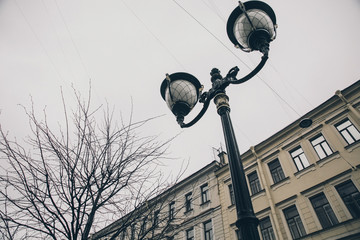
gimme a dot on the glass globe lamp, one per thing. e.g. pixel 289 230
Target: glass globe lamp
pixel 252 26
pixel 180 92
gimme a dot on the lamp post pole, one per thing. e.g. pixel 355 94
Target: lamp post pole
pixel 251 27
pixel 246 220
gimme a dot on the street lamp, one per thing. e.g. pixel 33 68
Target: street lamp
pixel 251 27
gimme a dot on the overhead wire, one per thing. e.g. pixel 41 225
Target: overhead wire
pixel 39 41
pixel 278 95
pixel 153 35
pixel 72 40
pixel 236 56
pixel 289 83
pixel 57 37
pixel 215 9
pixel 211 33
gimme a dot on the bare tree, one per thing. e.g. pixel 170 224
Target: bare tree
pixel 61 185
pixel 154 219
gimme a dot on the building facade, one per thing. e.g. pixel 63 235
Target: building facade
pixel 188 210
pixel 304 182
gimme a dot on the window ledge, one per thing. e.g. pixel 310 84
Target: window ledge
pixel 188 211
pixel 352 146
pixel 205 203
pixel 328 159
pixel 318 233
pixel 280 183
pixel 258 194
pixel 304 171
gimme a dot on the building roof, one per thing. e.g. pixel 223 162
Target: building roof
pixel 289 130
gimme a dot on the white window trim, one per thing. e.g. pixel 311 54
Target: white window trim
pixel 248 182
pixel 338 134
pixel 320 189
pixel 283 219
pixel 338 197
pixel 268 172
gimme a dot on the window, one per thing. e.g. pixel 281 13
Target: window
pixel 351 197
pixel 156 218
pixel 133 231
pixel 188 199
pixel 238 236
pixel 208 233
pixel 232 196
pixel 171 211
pixel 276 171
pixel 143 226
pixel 348 131
pixel 204 193
pixel 254 183
pixel 190 234
pixel 294 222
pixel 321 147
pixel 323 210
pixel 299 158
pixel 123 235
pixel 266 229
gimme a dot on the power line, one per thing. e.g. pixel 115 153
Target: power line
pixel 296 89
pixel 215 9
pixel 39 41
pixel 234 55
pixel 156 38
pixel 278 95
pixel 72 40
pixel 57 37
pixel 211 33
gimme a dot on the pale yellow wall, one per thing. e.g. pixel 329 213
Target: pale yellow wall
pixel 320 177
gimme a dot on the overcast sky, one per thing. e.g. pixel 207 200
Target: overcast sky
pixel 125 48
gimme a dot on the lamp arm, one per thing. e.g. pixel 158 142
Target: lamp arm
pixel 219 86
pixel 264 58
pixel 197 118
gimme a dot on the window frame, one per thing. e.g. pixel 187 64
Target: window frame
pixel 231 194
pixel 172 211
pixel 278 171
pixel 237 234
pixel 300 157
pixel 271 233
pixel 204 191
pixel 323 211
pixel 156 218
pixel 187 234
pixel 209 236
pixel 354 201
pixel 254 184
pixel 143 225
pixel 133 231
pixel 321 145
pixel 188 202
pixel 123 234
pixel 297 221
pixel 346 129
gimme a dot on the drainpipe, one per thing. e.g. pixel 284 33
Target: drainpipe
pixel 355 111
pixel 268 195
pixel 348 105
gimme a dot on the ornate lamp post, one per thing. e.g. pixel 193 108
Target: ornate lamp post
pixel 251 27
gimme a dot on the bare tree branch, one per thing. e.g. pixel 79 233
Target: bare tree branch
pixel 65 184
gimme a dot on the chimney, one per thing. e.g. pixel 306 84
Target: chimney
pixel 223 158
